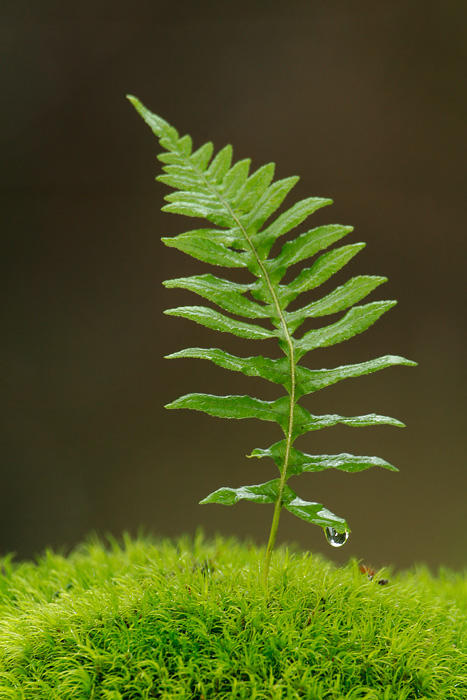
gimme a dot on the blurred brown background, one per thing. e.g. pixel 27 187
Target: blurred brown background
pixel 366 102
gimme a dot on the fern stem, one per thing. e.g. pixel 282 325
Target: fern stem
pixel 271 542
pixel 290 352
pixel 278 504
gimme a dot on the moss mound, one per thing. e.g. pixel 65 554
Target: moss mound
pixel 188 619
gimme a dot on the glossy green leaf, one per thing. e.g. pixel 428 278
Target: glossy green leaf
pixel 216 213
pixel 301 462
pixel 185 181
pixel 322 269
pixel 232 407
pixel 204 247
pixel 228 295
pixel 316 514
pixel 287 221
pixel 258 493
pixel 200 158
pixel 355 321
pixel 178 168
pixel 159 126
pixel 304 421
pixel 253 189
pixel 277 411
pixel 218 322
pixel 202 199
pixel 185 145
pixel 329 420
pixel 277 371
pixel 304 247
pixel 220 165
pixel 269 203
pixel 309 380
pixel 235 178
pixel 223 236
pixel 340 299
pixel 313 513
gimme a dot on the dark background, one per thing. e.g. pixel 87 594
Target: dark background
pixel 366 102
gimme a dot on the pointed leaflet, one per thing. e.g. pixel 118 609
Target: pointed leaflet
pixel 313 513
pixel 176 176
pixel 228 295
pixel 277 411
pixel 221 164
pixel 329 420
pixel 200 158
pixel 309 380
pixel 277 371
pixel 286 222
pixel 268 204
pixel 184 145
pixel 172 158
pixel 355 321
pixel 202 246
pixel 301 462
pixel 340 299
pixel 226 237
pixel 258 493
pixel 158 125
pixel 304 421
pixel 202 199
pixel 304 247
pixel 214 212
pixel 322 269
pixel 218 322
pixel 235 178
pixel 254 188
pixel 234 407
pixel 316 514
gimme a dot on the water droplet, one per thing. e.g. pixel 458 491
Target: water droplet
pixel 335 539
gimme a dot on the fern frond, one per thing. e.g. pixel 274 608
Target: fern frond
pixel 240 234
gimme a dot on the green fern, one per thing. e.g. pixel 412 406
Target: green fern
pixel 237 206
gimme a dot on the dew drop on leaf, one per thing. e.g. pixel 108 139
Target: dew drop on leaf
pixel 335 539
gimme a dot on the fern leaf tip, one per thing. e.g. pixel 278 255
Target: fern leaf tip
pixel 410 363
pixel 158 126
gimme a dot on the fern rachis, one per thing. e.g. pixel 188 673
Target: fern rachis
pixel 237 206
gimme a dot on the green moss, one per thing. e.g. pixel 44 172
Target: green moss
pixel 188 619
